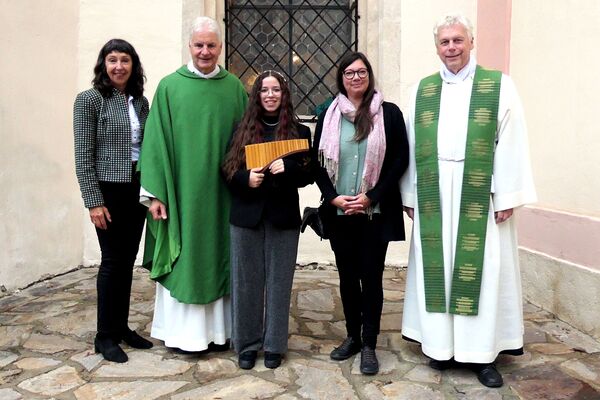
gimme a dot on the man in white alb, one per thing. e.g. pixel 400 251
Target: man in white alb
pixel 469 169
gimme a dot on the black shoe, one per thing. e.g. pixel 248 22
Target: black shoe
pixel 212 347
pixel 368 361
pixel 110 350
pixel 247 359
pixel 442 365
pixel 488 375
pixel 347 349
pixel 136 341
pixel 272 360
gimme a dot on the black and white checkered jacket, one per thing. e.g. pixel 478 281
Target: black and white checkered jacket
pixel 103 140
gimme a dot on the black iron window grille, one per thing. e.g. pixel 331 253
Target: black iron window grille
pixel 302 39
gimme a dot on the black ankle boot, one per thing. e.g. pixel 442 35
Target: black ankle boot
pixel 110 350
pixel 136 341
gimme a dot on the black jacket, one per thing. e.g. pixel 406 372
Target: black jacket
pixel 386 192
pixel 276 199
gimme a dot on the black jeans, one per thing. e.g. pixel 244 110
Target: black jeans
pixel 119 244
pixel 360 257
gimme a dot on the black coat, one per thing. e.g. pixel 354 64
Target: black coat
pixel 386 192
pixel 276 199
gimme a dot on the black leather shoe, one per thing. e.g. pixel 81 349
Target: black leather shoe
pixel 247 359
pixel 489 376
pixel 347 349
pixel 136 341
pixel 110 350
pixel 441 365
pixel 272 360
pixel 368 361
pixel 212 347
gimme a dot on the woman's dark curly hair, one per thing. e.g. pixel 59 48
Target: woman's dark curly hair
pixel 250 129
pixel 101 81
pixel 363 121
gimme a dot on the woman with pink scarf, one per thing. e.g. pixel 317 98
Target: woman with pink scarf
pixel 362 150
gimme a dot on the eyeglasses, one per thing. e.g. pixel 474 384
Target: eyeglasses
pixel 275 91
pixel 362 73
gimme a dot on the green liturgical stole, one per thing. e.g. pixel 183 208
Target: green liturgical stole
pixel 475 198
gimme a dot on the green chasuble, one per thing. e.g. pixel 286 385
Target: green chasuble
pixel 185 140
pixel 475 198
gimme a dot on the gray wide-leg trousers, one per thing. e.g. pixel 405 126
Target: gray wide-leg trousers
pixel 263 260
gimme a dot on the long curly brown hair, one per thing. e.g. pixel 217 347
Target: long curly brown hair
pixel 250 129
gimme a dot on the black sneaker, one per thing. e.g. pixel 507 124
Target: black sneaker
pixel 368 361
pixel 347 349
pixel 272 360
pixel 247 359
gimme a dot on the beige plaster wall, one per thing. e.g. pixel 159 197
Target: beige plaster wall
pixel 40 232
pixel 157 37
pixel 553 62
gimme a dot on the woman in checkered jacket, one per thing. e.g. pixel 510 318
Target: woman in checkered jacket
pixel 108 122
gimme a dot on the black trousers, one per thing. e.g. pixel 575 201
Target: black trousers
pixel 360 257
pixel 119 244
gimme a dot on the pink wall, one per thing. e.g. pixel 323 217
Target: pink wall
pixel 569 237
pixel 492 38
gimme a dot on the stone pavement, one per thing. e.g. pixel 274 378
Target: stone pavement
pixel 46 336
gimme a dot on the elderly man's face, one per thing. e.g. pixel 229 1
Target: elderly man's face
pixel 205 49
pixel 454 47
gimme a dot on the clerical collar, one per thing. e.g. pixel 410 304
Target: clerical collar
pixel 467 71
pixel 192 68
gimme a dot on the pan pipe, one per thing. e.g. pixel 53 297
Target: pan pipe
pixel 261 155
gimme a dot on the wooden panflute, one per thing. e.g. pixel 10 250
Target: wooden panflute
pixel 261 155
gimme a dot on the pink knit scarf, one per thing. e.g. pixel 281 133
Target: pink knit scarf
pixel 329 147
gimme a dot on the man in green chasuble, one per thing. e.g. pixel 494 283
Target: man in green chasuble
pixel 193 114
pixel 469 169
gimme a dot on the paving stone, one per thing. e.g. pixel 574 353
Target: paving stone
pixel 422 373
pixel 293 326
pixel 77 323
pixel 409 351
pixel 479 393
pixel 6 357
pixel 86 285
pixel 8 375
pixel 143 364
pixel 401 391
pixel 460 376
pixel 388 363
pixel 50 344
pixel 214 368
pixel 321 380
pixel 41 310
pixel 54 382
pixel 571 337
pixel 548 382
pixel 242 387
pixel 88 359
pixel 14 335
pixel 533 334
pixel 303 343
pixel 587 370
pixel 127 390
pixel 316 328
pixel 393 295
pixel 391 322
pixel 30 363
pixel 10 394
pixel 286 397
pixel 316 316
pixel 282 374
pixel 551 348
pixel 316 300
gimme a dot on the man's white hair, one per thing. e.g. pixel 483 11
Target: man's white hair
pixel 205 24
pixel 453 19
